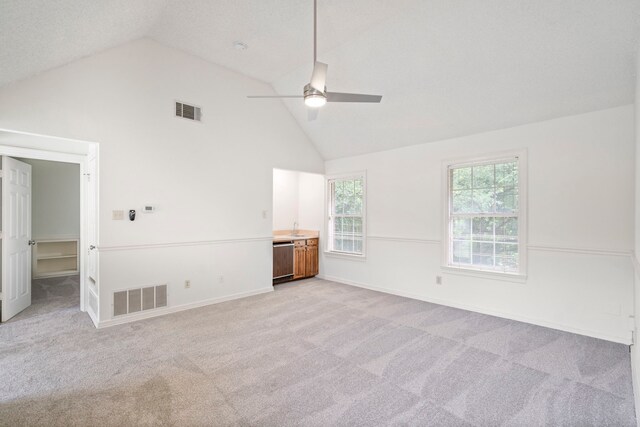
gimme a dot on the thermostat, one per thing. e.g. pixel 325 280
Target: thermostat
pixel 148 209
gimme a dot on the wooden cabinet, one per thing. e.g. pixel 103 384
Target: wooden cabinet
pixel 299 259
pixel 305 258
pixel 311 259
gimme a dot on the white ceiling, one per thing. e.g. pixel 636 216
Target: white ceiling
pixel 446 68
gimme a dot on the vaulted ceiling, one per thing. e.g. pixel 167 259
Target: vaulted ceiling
pixel 446 68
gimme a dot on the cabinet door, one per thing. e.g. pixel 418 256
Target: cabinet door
pixel 299 262
pixel 311 261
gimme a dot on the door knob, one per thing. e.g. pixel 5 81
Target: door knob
pixel 32 242
pixel 91 247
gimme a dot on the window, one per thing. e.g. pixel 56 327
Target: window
pixel 346 215
pixel 486 215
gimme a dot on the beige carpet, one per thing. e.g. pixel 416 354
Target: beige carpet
pixel 312 353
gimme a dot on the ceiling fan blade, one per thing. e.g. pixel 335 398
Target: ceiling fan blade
pixel 351 97
pixel 312 114
pixel 319 76
pixel 275 96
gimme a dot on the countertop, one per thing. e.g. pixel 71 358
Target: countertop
pixel 286 235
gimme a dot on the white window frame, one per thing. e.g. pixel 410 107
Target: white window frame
pixel 328 215
pixel 521 157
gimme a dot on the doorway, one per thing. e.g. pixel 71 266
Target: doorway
pixel 49 225
pixel 298 225
pixel 55 231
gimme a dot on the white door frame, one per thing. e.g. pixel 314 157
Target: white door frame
pixel 81 160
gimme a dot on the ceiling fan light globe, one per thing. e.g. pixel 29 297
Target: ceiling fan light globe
pixel 315 101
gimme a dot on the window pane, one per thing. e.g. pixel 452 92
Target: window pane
pixel 483 260
pixel 507 263
pixel 339 197
pixel 358 195
pixel 487 242
pixel 462 201
pixel 507 249
pixel 483 200
pixel 347 228
pixel 461 179
pixel 483 176
pixel 359 189
pixel 482 248
pixel 337 244
pixel 357 226
pixel 482 254
pixel 349 197
pixel 507 174
pixel 462 228
pixel 357 246
pixel 507 230
pixel 506 200
pixel 462 251
pixel 337 225
pixel 483 229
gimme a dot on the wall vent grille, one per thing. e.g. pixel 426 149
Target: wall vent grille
pixel 187 111
pixel 139 299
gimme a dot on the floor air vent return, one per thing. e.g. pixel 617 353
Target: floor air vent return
pixel 139 299
pixel 187 111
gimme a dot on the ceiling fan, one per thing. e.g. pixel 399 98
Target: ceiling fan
pixel 315 93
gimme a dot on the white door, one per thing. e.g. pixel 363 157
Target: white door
pixel 16 237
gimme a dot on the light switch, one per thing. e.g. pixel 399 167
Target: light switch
pixel 117 215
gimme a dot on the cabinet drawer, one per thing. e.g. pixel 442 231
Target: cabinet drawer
pixel 312 242
pixel 299 243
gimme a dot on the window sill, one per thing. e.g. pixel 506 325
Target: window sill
pixel 486 274
pixel 343 255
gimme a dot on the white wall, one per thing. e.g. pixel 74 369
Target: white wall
pixel 311 201
pixel 286 199
pixel 580 277
pixel 55 199
pixel 210 181
pixel 299 197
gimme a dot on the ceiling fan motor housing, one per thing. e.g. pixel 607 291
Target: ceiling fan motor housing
pixel 309 91
pixel 314 97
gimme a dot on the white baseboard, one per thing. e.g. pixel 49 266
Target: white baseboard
pixel 511 316
pixel 168 310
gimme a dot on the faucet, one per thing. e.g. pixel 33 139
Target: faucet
pixel 295 226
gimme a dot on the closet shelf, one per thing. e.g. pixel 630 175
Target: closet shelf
pixel 55 258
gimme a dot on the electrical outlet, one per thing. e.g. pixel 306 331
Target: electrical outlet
pixel 221 279
pixel 264 214
pixel 438 280
pixel 117 215
pixel 187 284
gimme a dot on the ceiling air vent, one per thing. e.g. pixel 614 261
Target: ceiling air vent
pixel 187 111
